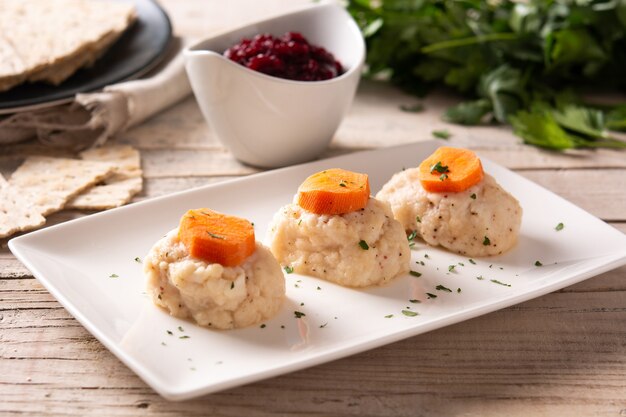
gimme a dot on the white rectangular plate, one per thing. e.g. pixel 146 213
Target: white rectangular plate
pixel 89 266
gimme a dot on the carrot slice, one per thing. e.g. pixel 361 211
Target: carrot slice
pixel 450 170
pixel 334 191
pixel 217 238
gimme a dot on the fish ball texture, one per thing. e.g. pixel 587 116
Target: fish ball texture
pixel 330 247
pixel 482 226
pixel 209 293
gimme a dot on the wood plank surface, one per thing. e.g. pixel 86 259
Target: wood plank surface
pixel 560 354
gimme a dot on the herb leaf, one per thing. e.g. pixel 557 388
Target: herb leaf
pixel 363 244
pixel 559 227
pixel 409 313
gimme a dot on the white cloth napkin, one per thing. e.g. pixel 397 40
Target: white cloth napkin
pixel 92 118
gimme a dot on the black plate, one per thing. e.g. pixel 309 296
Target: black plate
pixel 135 52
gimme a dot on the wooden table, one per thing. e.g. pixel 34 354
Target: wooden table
pixel 560 354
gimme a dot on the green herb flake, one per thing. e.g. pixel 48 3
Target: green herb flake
pixel 319 289
pixel 300 222
pixel 495 281
pixel 299 314
pixel 137 259
pixel 414 301
pixel 213 235
pixel 113 276
pixel 442 288
pixel 441 134
pixel 486 241
pixel 183 337
pixel 388 316
pixel 480 278
pixel 458 290
pixel 426 256
pixel 415 274
pixel 451 268
pixel 559 227
pixel 443 177
pixel 363 244
pixel 473 262
pixel 411 236
pixel 409 313
pixel 180 329
pixel 418 219
pixel 431 295
pixel 439 167
pixel 288 269
pixel 170 332
pixel 412 108
pixel 323 325
pixel 537 263
pixel 473 196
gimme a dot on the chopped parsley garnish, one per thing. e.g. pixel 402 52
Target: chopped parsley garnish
pixel 163 344
pixel 409 313
pixel 301 304
pixel 411 236
pixel 441 134
pixel 537 263
pixel 443 177
pixel 458 290
pixel 412 108
pixel 299 314
pixel 113 276
pixel 442 288
pixel 263 326
pixel 473 196
pixel 183 337
pixel 486 241
pixel 213 235
pixel 319 289
pixel 451 268
pixel 418 219
pixel 169 332
pixel 137 259
pixel 415 273
pixel 388 316
pixel 426 256
pixel 559 227
pixel 442 169
pixel 415 301
pixel 473 262
pixel 495 281
pixel 430 295
pixel 300 222
pixel 480 278
pixel 323 325
pixel 288 269
pixel 363 244
pixel 461 264
pixel 180 329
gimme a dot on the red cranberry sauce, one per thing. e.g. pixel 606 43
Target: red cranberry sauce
pixel 290 56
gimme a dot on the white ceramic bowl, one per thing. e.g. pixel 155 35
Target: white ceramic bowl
pixel 268 121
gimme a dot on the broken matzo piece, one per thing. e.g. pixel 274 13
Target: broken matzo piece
pixel 48 183
pixel 16 213
pixel 48 40
pixel 119 188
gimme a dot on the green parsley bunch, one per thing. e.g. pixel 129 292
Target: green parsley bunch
pixel 516 62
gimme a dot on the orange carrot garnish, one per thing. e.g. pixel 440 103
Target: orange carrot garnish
pixel 334 191
pixel 450 170
pixel 217 238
